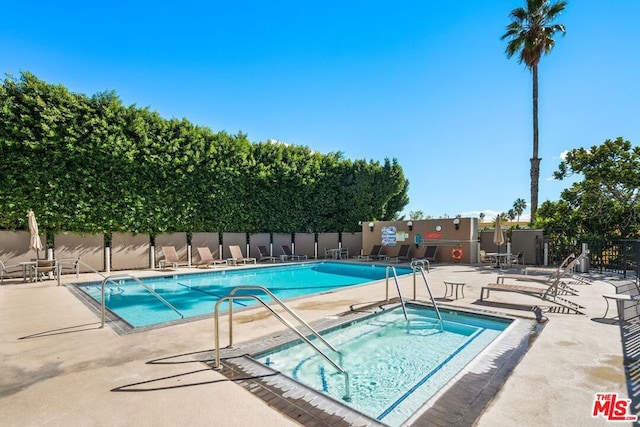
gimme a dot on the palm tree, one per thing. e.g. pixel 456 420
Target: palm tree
pixel 519 206
pixel 531 34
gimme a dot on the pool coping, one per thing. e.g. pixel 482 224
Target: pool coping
pixel 460 403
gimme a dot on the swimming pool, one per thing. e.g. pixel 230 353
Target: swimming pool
pixel 394 365
pixel 196 294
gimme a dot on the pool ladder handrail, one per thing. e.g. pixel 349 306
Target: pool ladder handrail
pixel 395 278
pixel 231 296
pixel 112 278
pixel 121 276
pixel 416 266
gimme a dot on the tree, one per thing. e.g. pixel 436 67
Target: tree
pixel 531 33
pixel 92 165
pixel 519 206
pixel 416 214
pixel 606 203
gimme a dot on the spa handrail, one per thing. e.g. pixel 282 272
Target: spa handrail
pixel 419 267
pixel 218 365
pixel 395 278
pixel 123 276
pixel 281 304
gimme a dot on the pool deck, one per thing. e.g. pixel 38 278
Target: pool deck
pixel 59 368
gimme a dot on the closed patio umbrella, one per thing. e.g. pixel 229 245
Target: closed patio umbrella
pixel 34 242
pixel 498 238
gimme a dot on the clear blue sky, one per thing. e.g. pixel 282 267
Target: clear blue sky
pixel 425 82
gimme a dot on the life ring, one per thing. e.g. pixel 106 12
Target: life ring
pixel 457 254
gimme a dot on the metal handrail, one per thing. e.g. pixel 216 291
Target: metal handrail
pixel 230 298
pixel 114 277
pixel 281 304
pixel 78 263
pixel 426 282
pixel 422 262
pixel 111 279
pixel 395 278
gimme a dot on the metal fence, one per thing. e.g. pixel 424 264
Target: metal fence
pixel 616 256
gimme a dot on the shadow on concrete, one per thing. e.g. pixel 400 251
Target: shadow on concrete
pixel 61 331
pixel 629 322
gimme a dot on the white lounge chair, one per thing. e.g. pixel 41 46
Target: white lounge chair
pixel 237 256
pixel 6 270
pixel 171 258
pixel 207 259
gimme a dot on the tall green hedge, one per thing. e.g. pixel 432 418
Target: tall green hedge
pixel 92 165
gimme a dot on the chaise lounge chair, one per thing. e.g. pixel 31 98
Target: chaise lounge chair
pixel 7 270
pixel 486 259
pixel 559 274
pixel 567 269
pixel 287 254
pixel 546 293
pixel 403 254
pixel 429 254
pixel 264 254
pixel 45 269
pixel 376 253
pixel 207 259
pixel 236 256
pixel 171 258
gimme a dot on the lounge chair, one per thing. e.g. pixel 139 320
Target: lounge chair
pixel 428 254
pixel 567 269
pixel 68 265
pixel 376 253
pixel 207 259
pixel 546 293
pixel 559 274
pixel 403 254
pixel 516 259
pixel 549 270
pixel 236 256
pixel 45 269
pixel 171 258
pixel 486 259
pixel 264 254
pixel 287 254
pixel 6 270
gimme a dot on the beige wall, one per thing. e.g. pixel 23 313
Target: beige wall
pixel 305 244
pixel 177 240
pixel 89 248
pixel 209 240
pixel 14 247
pixel 424 233
pixel 521 241
pixel 281 239
pixel 353 242
pixel 328 241
pixel 130 251
pixel 263 239
pixel 234 239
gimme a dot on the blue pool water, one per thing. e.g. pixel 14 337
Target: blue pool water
pixel 394 366
pixel 196 294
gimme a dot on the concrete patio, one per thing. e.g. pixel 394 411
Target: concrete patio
pixel 61 369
